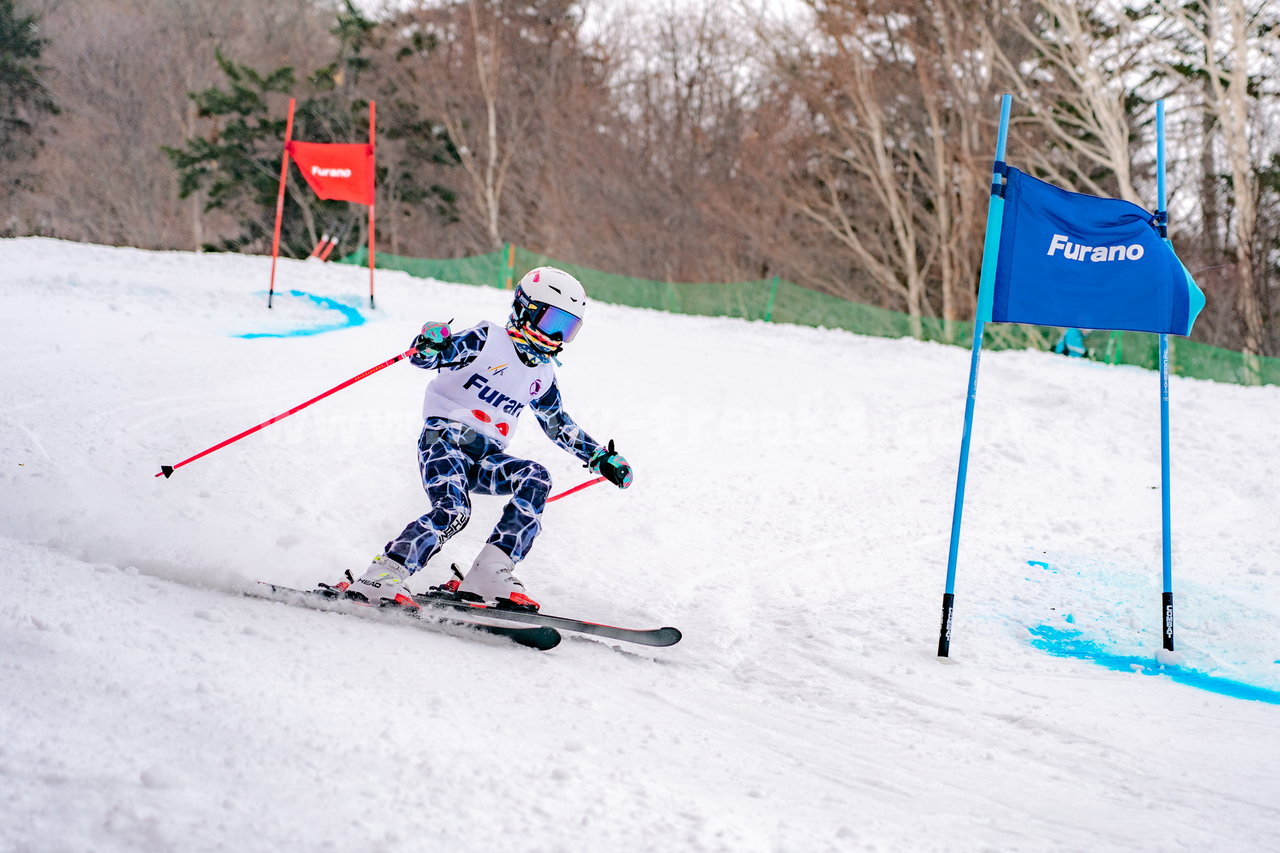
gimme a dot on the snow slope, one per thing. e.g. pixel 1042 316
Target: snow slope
pixel 791 514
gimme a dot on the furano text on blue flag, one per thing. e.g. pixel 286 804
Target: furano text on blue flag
pixel 1073 260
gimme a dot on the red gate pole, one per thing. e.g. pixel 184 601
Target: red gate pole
pixel 373 180
pixel 284 174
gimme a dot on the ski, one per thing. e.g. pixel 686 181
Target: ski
pixel 642 636
pixel 542 637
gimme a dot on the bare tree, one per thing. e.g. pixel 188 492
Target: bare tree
pixel 1076 71
pixel 701 159
pixel 1227 41
pixel 495 72
pixel 121 71
pixel 488 161
pixel 899 102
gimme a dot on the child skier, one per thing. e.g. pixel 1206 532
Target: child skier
pixel 488 376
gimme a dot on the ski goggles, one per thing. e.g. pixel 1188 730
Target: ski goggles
pixel 555 322
pixel 549 320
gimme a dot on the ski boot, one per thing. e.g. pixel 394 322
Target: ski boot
pixel 382 583
pixel 491 580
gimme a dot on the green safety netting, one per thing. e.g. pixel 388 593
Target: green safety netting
pixel 477 269
pixel 778 301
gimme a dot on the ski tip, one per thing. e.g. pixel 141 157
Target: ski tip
pixel 166 471
pixel 670 635
pixel 543 639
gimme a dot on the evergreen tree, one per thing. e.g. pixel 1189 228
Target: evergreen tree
pixel 23 97
pixel 238 162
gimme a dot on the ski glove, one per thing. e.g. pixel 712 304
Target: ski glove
pixel 435 336
pixel 612 465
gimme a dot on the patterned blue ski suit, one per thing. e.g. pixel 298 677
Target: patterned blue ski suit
pixel 455 460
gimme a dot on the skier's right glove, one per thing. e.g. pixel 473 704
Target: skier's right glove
pixel 612 465
pixel 434 337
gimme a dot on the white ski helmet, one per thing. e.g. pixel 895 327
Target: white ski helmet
pixel 548 308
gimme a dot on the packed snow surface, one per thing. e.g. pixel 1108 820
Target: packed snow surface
pixel 791 514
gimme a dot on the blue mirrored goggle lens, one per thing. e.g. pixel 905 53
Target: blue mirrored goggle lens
pixel 556 321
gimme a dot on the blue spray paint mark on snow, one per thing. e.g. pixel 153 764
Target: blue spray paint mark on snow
pixel 1040 564
pixel 351 317
pixel 1070 643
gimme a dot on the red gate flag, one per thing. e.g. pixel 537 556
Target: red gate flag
pixel 334 170
pixel 337 171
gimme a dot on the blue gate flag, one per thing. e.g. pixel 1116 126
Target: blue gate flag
pixel 1081 261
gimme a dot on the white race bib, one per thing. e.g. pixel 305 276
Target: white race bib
pixel 491 392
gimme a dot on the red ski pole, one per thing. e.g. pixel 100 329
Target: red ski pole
pixel 166 471
pixel 576 488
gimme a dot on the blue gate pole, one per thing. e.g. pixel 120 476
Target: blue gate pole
pixel 1166 598
pixel 1166 523
pixel 990 251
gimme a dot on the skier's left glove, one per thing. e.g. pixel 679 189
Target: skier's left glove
pixel 612 465
pixel 434 338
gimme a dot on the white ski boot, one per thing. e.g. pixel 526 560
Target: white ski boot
pixel 491 579
pixel 383 580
